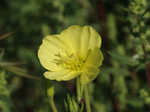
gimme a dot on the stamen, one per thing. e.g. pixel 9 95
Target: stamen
pixel 72 62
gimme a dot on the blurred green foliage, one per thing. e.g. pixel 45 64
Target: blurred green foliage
pixel 124 81
pixel 5 100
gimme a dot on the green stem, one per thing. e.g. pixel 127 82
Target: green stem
pixel 87 99
pixel 53 104
pixel 79 90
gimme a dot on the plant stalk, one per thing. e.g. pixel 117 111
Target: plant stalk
pixel 87 99
pixel 52 104
pixel 79 90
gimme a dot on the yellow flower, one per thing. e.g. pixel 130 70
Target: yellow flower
pixel 74 52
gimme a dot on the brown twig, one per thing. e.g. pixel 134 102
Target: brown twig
pixel 5 35
pixel 102 17
pixel 115 102
pixel 134 82
pixel 148 73
pixel 147 65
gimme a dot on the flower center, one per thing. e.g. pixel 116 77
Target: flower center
pixel 71 62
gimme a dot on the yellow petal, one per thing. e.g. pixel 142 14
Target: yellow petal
pixel 81 39
pixel 71 75
pixel 89 75
pixel 95 39
pixel 49 50
pixel 90 39
pixel 95 58
pixel 71 37
pixel 61 75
